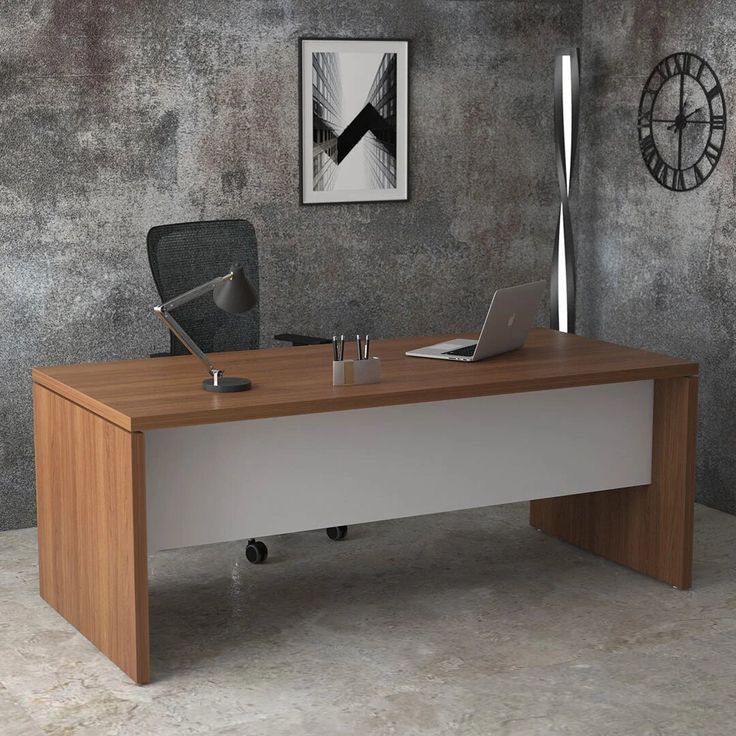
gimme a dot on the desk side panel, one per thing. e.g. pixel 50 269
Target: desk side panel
pixel 91 528
pixel 270 476
pixel 649 528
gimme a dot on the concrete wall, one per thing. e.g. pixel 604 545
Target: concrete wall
pixel 120 115
pixel 657 269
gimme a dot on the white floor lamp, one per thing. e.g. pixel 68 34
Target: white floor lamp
pixel 567 107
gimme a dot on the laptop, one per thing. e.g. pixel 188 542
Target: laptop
pixel 507 324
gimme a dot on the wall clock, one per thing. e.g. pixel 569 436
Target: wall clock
pixel 682 121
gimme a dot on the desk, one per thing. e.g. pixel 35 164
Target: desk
pixel 132 456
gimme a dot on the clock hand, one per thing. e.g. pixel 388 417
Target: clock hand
pixel 687 117
pixel 645 124
pixel 682 112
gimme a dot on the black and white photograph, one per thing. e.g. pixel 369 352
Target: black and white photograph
pixel 354 120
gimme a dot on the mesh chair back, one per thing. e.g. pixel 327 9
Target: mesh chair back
pixel 185 255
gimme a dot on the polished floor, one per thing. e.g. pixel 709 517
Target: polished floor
pixel 464 623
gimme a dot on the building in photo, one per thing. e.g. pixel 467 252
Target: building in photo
pixel 382 145
pixel 326 106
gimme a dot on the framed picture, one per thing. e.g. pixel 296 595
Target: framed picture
pixel 354 100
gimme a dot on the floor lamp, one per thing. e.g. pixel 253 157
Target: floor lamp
pixel 567 108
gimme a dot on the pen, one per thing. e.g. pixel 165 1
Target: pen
pixel 342 348
pixel 334 347
pixel 367 346
pixel 357 344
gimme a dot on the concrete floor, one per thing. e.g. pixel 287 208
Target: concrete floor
pixel 463 623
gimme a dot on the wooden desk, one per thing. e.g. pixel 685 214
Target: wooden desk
pixel 600 438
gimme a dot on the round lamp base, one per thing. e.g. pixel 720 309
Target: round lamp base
pixel 226 385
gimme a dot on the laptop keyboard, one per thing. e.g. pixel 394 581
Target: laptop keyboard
pixel 466 352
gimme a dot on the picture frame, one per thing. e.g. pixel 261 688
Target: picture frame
pixel 353 120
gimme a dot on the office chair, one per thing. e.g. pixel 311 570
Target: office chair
pixel 184 255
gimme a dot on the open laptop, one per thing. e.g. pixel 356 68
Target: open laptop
pixel 507 323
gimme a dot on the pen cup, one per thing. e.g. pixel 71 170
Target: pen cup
pixel 354 372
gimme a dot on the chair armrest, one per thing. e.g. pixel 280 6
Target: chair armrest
pixel 302 339
pixel 160 355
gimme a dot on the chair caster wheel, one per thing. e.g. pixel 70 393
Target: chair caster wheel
pixel 256 551
pixel 336 533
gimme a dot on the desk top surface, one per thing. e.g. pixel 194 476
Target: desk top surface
pixel 166 392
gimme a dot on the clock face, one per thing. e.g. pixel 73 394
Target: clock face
pixel 682 122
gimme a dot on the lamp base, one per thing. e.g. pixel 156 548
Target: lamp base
pixel 226 385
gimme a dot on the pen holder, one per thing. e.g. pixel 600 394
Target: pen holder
pixel 352 372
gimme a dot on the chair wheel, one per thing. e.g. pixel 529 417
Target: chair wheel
pixel 256 551
pixel 336 533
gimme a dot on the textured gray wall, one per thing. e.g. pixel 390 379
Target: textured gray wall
pixel 658 269
pixel 120 115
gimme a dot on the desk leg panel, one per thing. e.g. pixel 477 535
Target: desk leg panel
pixel 648 528
pixel 90 489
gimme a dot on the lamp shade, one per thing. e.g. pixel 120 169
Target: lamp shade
pixel 236 294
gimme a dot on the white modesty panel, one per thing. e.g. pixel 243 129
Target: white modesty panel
pixel 254 478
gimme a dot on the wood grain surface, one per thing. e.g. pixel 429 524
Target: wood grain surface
pixel 166 392
pixel 90 457
pixel 648 528
pixel 92 528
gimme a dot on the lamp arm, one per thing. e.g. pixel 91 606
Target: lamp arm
pixel 163 312
pixel 184 338
pixel 197 291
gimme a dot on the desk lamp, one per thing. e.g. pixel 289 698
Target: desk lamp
pixel 233 293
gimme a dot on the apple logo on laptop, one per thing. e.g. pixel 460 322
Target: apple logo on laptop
pixel 511 320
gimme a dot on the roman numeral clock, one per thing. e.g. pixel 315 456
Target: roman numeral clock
pixel 682 122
